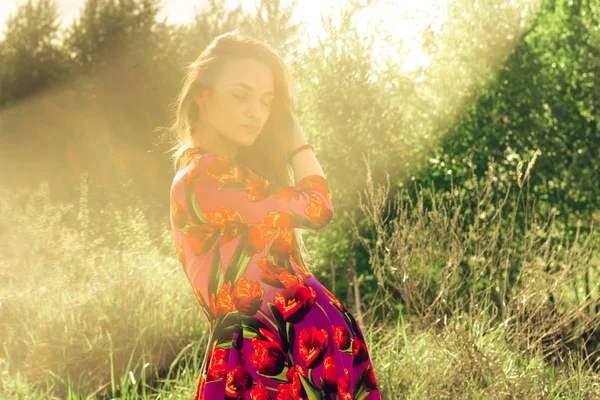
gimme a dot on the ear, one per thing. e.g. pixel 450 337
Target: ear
pixel 199 100
pixel 200 95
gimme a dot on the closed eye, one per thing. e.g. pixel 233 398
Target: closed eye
pixel 266 103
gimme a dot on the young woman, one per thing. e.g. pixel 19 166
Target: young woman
pixel 275 331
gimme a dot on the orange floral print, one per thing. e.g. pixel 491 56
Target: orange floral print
pixel 180 254
pixel 177 214
pixel 198 236
pixel 268 356
pixel 257 187
pixel 342 337
pixel 259 391
pixel 312 346
pixel 224 170
pixel 230 231
pixel 317 211
pixel 278 219
pixel 247 296
pixel 217 368
pixel 276 332
pixel 223 303
pixel 293 390
pixel 221 217
pixel 283 243
pixel 259 236
pixel 277 276
pixel 238 382
pixel 333 299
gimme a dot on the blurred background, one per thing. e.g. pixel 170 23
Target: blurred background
pixel 460 139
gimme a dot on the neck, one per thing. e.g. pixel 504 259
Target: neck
pixel 209 140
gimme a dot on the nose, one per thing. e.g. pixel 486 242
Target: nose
pixel 254 111
pixel 255 105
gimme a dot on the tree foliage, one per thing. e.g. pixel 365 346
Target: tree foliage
pixel 505 79
pixel 32 58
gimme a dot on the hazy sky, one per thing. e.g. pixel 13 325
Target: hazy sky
pixel 405 18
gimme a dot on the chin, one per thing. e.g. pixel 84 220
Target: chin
pixel 243 138
pixel 247 141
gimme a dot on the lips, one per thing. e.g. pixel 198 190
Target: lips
pixel 252 127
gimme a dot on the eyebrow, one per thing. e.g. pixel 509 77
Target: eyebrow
pixel 248 86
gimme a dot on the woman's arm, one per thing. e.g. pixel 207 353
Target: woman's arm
pixel 224 191
pixel 304 163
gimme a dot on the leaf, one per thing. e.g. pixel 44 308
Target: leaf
pixel 280 325
pixel 299 219
pixel 291 333
pixel 313 392
pixel 233 186
pixel 211 240
pixel 227 344
pixel 352 324
pixel 286 263
pixel 215 276
pixel 348 350
pixel 359 385
pixel 281 377
pixel 238 263
pixel 361 395
pixel 277 315
pixel 251 324
pixel 227 326
pixel 250 333
pixel 192 204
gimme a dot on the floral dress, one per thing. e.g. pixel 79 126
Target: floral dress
pixel 275 332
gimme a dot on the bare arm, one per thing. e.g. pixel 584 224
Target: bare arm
pixel 305 162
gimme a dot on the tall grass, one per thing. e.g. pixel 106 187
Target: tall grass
pixel 94 304
pixel 89 301
pixel 496 310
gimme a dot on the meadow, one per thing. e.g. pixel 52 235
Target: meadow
pixel 466 245
pixel 95 305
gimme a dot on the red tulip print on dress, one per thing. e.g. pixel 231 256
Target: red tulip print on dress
pixel 275 331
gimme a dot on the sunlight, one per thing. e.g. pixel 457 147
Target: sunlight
pixel 404 21
pixel 401 22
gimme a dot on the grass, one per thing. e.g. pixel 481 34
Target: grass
pixel 94 304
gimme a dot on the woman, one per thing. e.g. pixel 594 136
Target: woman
pixel 275 331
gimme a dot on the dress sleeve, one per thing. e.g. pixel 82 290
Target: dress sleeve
pixel 223 191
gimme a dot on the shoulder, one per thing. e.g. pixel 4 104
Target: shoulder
pixel 215 167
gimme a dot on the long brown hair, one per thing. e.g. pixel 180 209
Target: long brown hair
pixel 266 156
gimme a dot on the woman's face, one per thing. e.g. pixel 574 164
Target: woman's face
pixel 238 104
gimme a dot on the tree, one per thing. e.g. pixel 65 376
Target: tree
pixel 271 22
pixel 107 28
pixel 32 59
